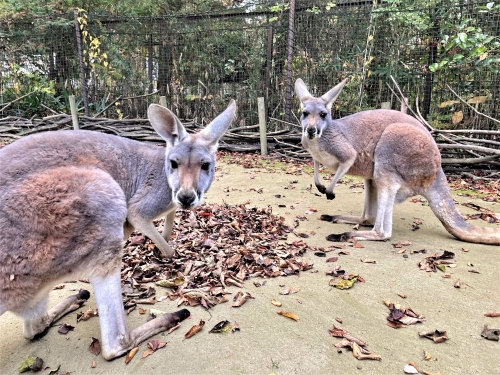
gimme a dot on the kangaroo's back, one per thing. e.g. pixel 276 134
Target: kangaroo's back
pixel 122 158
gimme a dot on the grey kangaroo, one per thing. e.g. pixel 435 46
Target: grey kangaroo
pixel 396 156
pixel 69 198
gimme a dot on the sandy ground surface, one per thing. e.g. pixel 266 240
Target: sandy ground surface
pixel 270 343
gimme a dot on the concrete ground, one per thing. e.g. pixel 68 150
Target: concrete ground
pixel 270 343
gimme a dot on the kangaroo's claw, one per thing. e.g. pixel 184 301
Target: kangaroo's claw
pixel 321 189
pixel 330 196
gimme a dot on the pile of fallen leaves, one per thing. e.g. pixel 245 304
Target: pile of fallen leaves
pixel 217 246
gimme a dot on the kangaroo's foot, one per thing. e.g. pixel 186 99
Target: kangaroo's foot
pixel 37 328
pixel 364 235
pixel 341 219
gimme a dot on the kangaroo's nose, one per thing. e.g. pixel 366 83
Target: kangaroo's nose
pixel 186 199
pixel 311 132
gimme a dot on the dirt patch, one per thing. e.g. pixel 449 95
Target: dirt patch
pixel 269 342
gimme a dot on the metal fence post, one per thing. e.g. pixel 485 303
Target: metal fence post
pixel 288 88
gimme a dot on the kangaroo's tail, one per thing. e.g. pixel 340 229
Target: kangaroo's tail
pixel 441 203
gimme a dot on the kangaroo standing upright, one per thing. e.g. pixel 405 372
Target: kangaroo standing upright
pixel 69 198
pixel 396 156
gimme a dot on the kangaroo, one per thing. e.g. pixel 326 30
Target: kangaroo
pixel 69 198
pixel 396 156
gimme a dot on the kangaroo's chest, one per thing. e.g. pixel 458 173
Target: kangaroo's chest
pixel 318 152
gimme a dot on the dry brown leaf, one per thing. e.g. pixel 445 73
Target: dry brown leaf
pixel 221 327
pixel 402 295
pixel 410 369
pixel 95 346
pixel 65 328
pixel 290 290
pixel 90 313
pixel 131 354
pixel 243 298
pixel 358 353
pixel 366 260
pixel 436 336
pixel 194 329
pixel 236 327
pixel 289 315
pixel 276 303
pixel 93 365
pixel 492 314
pixel 147 352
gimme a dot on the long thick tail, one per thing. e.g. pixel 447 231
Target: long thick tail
pixel 441 203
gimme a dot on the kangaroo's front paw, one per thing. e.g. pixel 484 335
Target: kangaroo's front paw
pixel 321 189
pixel 330 196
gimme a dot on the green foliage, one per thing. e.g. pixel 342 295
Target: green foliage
pixel 467 46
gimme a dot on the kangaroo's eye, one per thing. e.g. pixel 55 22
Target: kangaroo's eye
pixel 322 115
pixel 205 166
pixel 173 164
pixel 305 113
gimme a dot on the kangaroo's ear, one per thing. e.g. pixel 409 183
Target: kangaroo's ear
pixel 216 129
pixel 301 91
pixel 333 94
pixel 166 124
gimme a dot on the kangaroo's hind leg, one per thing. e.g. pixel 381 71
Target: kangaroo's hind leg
pixel 37 319
pixel 369 213
pixel 382 229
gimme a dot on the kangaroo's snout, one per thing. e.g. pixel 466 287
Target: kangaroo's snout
pixel 311 132
pixel 187 199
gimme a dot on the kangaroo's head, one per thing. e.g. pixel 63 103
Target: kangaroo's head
pixel 316 112
pixel 190 158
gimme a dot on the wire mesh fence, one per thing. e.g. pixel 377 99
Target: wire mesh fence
pixel 116 66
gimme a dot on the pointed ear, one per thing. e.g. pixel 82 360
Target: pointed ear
pixel 333 94
pixel 301 91
pixel 166 124
pixel 216 129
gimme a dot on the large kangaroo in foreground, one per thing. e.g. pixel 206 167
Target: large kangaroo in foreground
pixel 69 198
pixel 396 156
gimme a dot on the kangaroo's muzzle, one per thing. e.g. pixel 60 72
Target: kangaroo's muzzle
pixel 311 132
pixel 187 199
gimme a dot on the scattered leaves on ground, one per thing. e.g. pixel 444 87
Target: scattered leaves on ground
pixel 357 346
pixel 434 262
pixel 221 327
pixel 32 363
pixel 490 333
pixel 400 315
pixel 436 336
